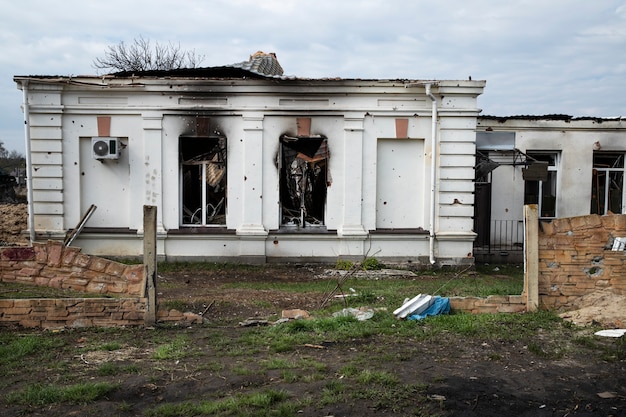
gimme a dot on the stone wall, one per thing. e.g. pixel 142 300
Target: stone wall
pixel 55 265
pixel 576 258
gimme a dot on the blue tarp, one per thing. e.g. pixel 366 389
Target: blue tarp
pixel 440 305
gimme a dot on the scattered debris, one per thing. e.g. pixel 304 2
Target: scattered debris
pixel 361 313
pixel 309 345
pixel 611 333
pixel 295 314
pixel 422 306
pixel 603 307
pixel 352 294
pixel 253 322
pixel 207 308
pixel 373 273
pixel 619 243
pixel 607 394
pixel 415 305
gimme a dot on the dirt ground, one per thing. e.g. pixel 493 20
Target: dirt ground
pixel 449 375
pixel 13 220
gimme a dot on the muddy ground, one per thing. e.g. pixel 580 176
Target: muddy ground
pixel 550 374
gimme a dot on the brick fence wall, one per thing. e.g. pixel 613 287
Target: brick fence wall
pixel 55 265
pixel 490 304
pixel 575 258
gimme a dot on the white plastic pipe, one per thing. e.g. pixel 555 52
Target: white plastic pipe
pixel 433 174
pixel 29 169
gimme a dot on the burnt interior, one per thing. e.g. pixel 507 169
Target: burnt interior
pixel 303 180
pixel 203 163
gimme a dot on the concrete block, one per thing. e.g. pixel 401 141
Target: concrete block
pixel 69 254
pixel 512 308
pixel 55 250
pixel 295 314
pixel 134 273
pixel 81 260
pixel 561 225
pixel 497 299
pixel 116 269
pixel 41 253
pixel 98 264
pixel 27 322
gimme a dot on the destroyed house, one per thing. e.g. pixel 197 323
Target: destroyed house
pixel 567 166
pixel 247 164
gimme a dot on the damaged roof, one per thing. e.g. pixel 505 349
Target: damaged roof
pixel 550 117
pixel 260 65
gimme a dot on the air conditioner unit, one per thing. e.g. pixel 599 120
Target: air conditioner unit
pixel 105 148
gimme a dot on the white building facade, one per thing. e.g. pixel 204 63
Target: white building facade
pixel 252 168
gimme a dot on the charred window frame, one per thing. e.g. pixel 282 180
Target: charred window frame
pixel 607 185
pixel 544 192
pixel 203 180
pixel 303 166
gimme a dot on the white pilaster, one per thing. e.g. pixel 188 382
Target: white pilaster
pixel 352 224
pixel 252 189
pixel 153 165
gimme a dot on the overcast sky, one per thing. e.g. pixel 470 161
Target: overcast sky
pixel 537 56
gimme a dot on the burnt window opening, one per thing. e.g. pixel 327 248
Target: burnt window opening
pixel 607 183
pixel 303 180
pixel 203 180
pixel 543 191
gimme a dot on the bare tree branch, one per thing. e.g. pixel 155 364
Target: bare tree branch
pixel 141 56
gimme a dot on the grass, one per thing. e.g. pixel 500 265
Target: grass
pixel 178 348
pixel 329 361
pixel 206 266
pixel 267 402
pixel 40 395
pixel 15 350
pixel 479 283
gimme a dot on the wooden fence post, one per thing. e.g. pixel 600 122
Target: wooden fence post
pixel 531 256
pixel 150 263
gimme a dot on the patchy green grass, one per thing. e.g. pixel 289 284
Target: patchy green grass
pixel 178 348
pixel 40 395
pixel 267 402
pixel 322 366
pixel 16 351
pixel 192 267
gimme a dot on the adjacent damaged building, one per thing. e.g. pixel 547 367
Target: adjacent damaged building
pixel 246 164
pixel 568 166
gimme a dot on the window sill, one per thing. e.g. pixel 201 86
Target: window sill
pixel 107 230
pixel 304 230
pixel 409 231
pixel 201 231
